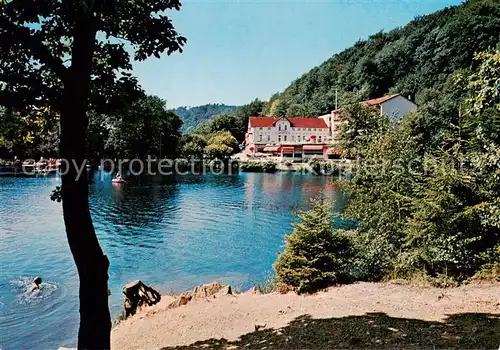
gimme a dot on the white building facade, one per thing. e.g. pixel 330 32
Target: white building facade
pixel 287 137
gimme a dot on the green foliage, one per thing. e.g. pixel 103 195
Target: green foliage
pixel 278 108
pixel 315 256
pixel 431 207
pixel 268 286
pixel 489 273
pixel 236 123
pixel 221 145
pixel 30 135
pixel 193 116
pixel 143 127
pixel 360 124
pixel 219 123
pixel 192 146
pixel 39 41
pixel 258 167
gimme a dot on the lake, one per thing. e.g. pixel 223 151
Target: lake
pixel 171 233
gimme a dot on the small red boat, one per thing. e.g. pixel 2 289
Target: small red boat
pixel 118 181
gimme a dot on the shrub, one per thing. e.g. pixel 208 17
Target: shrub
pixel 489 273
pixel 323 167
pixel 262 167
pixel 315 256
pixel 268 285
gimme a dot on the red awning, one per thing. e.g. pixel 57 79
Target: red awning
pixel 288 149
pixel 313 147
pixel 271 148
pixel 313 137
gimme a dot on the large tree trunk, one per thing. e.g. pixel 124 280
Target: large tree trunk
pixel 92 264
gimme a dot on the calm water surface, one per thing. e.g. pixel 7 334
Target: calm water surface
pixel 171 233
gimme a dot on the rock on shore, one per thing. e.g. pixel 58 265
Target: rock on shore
pixel 369 315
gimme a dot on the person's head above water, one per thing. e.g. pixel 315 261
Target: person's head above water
pixel 37 281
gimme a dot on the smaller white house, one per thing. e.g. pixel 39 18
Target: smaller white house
pixel 394 106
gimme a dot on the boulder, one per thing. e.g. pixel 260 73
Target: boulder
pixel 211 290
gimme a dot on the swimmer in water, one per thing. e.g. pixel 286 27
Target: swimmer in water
pixel 36 284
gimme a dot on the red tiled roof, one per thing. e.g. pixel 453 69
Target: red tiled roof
pixel 296 122
pixel 378 101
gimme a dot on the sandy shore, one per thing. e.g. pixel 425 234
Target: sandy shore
pixel 354 316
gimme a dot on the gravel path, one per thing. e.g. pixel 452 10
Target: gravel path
pixel 354 316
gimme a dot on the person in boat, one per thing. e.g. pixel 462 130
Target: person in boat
pixel 36 284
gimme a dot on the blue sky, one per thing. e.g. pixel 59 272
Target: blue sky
pixel 240 50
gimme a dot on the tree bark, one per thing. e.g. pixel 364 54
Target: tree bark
pixel 91 263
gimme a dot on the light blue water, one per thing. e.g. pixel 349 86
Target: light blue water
pixel 170 233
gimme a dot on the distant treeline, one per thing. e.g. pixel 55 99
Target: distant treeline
pixel 193 116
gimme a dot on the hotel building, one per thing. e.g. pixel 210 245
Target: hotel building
pixel 294 138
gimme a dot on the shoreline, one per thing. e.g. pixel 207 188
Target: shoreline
pixel 395 316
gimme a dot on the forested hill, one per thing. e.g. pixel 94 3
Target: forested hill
pixel 416 60
pixel 192 116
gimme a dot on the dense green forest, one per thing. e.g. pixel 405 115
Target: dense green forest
pixel 193 116
pixel 424 200
pixel 417 59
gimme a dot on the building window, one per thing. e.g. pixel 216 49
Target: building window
pixel 279 138
pixel 309 129
pixel 268 128
pixel 260 128
pixel 260 138
pixel 268 138
pixel 284 138
pixel 293 138
pixel 279 127
pixel 285 127
pixel 319 138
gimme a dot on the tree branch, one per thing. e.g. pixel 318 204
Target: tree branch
pixel 23 36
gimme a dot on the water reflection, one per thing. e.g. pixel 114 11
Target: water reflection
pixel 290 191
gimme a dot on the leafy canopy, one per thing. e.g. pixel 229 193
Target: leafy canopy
pixel 37 60
pixel 432 208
